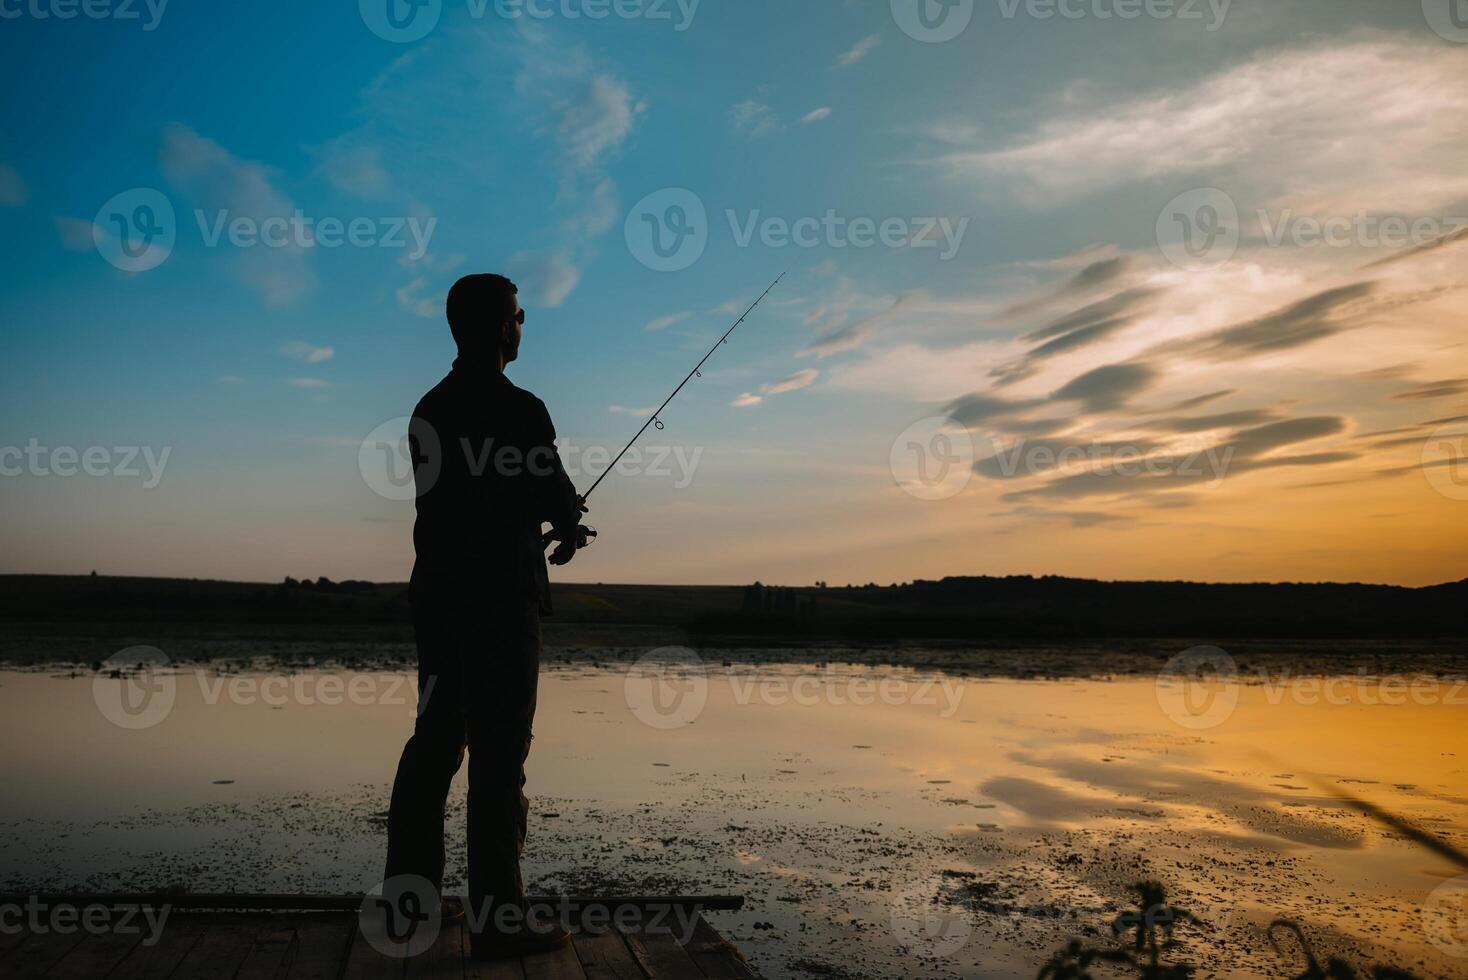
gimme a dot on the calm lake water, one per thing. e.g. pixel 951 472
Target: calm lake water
pixel 881 822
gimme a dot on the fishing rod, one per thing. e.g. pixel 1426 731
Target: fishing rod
pixel 655 419
pixel 697 372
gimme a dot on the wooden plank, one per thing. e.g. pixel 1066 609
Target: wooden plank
pixel 180 934
pixel 489 969
pixel 661 957
pixel 560 964
pixel 340 903
pixel 95 956
pixel 445 961
pixel 605 956
pixel 10 940
pixel 321 947
pixel 365 963
pixel 38 952
pixel 221 950
pixel 718 958
pixel 271 950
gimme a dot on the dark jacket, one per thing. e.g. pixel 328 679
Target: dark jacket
pixel 487 475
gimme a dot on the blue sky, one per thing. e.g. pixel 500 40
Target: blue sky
pixel 523 145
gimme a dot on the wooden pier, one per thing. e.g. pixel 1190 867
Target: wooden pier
pixel 322 941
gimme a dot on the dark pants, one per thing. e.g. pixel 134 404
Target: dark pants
pixel 477 675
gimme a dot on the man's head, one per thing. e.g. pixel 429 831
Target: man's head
pixel 485 316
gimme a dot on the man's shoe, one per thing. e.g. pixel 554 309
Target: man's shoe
pixel 506 946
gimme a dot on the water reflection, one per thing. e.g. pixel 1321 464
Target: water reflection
pixel 790 785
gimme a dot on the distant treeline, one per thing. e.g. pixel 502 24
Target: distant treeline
pixel 977 609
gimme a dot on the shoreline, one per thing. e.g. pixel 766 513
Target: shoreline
pixel 56 646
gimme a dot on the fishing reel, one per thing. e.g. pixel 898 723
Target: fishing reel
pixel 584 536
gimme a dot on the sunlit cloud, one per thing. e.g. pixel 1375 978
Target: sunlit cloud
pixel 1274 121
pixel 795 382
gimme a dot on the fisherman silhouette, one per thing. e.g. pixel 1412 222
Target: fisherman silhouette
pixel 487 478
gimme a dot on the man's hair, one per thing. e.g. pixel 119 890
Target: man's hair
pixel 477 306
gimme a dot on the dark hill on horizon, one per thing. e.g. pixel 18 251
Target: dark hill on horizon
pixel 975 610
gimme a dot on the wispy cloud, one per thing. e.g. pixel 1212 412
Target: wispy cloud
pixel 13 191
pixel 308 384
pixel 746 400
pixel 299 350
pixel 1448 388
pixel 355 168
pixel 590 113
pixel 544 278
pixel 858 51
pixel 795 382
pixel 76 235
pixel 754 119
pixel 816 115
pixel 664 322
pixel 225 185
pixel 853 336
pixel 418 298
pixel 1302 322
pixel 1403 102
